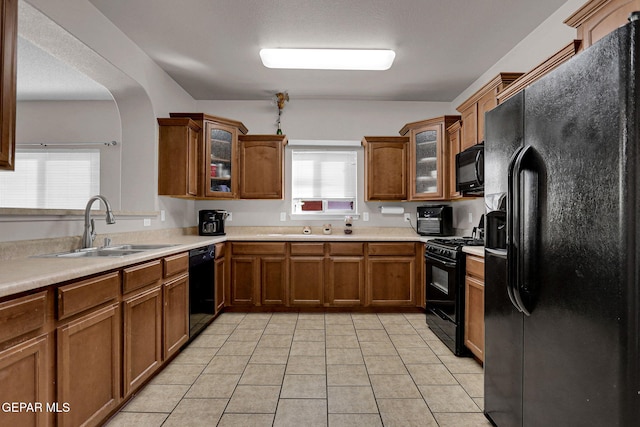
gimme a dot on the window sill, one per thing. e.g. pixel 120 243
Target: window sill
pixel 313 216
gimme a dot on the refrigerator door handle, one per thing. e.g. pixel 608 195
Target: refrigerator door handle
pixel 515 259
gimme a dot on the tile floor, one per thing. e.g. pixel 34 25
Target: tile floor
pixel 290 369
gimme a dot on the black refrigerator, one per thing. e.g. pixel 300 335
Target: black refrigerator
pixel 562 189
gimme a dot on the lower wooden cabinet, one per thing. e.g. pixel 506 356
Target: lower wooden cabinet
pixel 318 274
pixel 258 273
pixel 176 315
pixel 392 269
pixel 88 368
pixel 306 280
pixel 474 306
pixel 26 376
pixel 221 276
pixel 142 314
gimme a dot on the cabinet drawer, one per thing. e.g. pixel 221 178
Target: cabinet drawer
pixel 391 249
pixel 22 315
pixel 81 296
pixel 221 249
pixel 176 264
pixel 307 249
pixel 475 266
pixel 258 248
pixel 346 248
pixel 141 275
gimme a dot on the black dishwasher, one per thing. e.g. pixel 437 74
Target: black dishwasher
pixel 202 302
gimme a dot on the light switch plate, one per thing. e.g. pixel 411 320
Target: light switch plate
pixel 147 222
pixel 283 216
pixel 365 216
pixel 471 217
pixel 162 215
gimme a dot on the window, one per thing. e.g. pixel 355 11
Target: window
pixel 51 179
pixel 324 182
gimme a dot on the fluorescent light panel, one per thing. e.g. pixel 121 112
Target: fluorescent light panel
pixel 328 59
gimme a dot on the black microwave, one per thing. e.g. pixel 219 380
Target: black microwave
pixel 470 171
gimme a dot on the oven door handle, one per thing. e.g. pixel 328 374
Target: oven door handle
pixel 448 264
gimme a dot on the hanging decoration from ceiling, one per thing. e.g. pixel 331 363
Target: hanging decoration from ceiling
pixel 281 98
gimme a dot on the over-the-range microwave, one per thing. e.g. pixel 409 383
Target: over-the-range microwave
pixel 470 170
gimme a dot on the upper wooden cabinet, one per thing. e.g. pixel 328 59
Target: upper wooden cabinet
pixel 454 133
pixel 385 167
pixel 178 161
pixel 8 67
pixel 428 169
pixel 217 154
pixel 597 18
pixel 261 166
pixel 473 109
pixel 540 70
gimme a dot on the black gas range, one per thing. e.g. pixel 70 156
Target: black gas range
pixel 444 291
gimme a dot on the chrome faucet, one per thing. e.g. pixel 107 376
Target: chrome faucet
pixel 89 226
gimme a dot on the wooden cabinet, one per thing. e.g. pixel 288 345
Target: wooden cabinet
pixel 88 370
pixel 261 166
pixel 345 281
pixel 597 18
pixel 175 294
pixel 385 167
pixel 8 67
pixel 428 169
pixel 307 274
pixel 142 323
pixel 258 273
pixel 26 358
pixel 474 108
pixel 474 306
pixel 178 162
pixel 221 276
pixel 540 70
pixel 217 155
pixel 454 133
pixel 392 269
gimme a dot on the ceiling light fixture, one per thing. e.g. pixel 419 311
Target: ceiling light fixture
pixel 328 59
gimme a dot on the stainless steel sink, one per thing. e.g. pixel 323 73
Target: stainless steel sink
pixel 108 251
pixel 137 247
pixel 92 252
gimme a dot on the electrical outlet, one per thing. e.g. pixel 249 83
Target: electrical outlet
pixel 407 217
pixel 283 216
pixel 470 217
pixel 229 216
pixel 162 215
pixel 147 222
pixel 365 216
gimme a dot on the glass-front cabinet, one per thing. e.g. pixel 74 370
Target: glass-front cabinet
pixel 428 166
pixel 220 176
pixel 218 147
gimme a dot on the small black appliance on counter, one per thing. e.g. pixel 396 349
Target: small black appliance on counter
pixel 211 222
pixel 435 220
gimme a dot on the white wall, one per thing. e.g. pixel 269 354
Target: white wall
pixel 547 39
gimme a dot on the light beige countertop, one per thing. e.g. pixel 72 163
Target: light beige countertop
pixel 474 250
pixel 27 272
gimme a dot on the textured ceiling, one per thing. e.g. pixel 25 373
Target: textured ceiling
pixel 210 47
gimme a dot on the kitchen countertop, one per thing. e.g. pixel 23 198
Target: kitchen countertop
pixel 474 250
pixel 29 273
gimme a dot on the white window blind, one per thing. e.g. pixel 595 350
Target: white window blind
pixel 324 182
pixel 51 179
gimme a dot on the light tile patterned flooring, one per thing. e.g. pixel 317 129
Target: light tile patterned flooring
pixel 290 369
